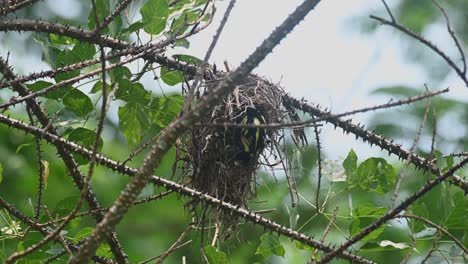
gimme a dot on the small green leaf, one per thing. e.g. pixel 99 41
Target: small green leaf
pixel 78 102
pixel 457 216
pixel 188 58
pixel 188 16
pixel 97 87
pixel 85 138
pixel 56 94
pixel 120 73
pixel 270 245
pixel 215 256
pixel 83 51
pixel 184 43
pixel 133 27
pixel 82 234
pixel 302 246
pixel 50 50
pixel 374 175
pixel 171 77
pixel 350 163
pixel 103 10
pixel 55 249
pixel 132 92
pixel 154 16
pixel 1 173
pixel 64 58
pixel 20 147
pixel 65 206
pixel 61 40
pixel 134 121
pixel 104 250
pixel 165 108
pixel 364 215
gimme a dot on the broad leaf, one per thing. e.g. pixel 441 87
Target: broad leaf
pixel 154 16
pixel 85 138
pixel 270 245
pixel 365 215
pixel 78 102
pixel 215 256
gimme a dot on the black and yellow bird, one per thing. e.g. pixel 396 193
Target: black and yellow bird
pixel 252 139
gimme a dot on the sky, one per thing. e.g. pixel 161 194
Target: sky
pixel 324 60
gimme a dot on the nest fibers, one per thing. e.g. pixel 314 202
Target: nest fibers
pixel 211 163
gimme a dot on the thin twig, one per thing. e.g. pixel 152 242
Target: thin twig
pixel 427 43
pixel 311 122
pixel 201 71
pixel 174 246
pixel 452 34
pixel 388 10
pixel 438 227
pixel 411 152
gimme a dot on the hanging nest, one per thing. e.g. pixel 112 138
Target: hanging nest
pixel 212 163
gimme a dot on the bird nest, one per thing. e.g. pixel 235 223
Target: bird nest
pixel 211 163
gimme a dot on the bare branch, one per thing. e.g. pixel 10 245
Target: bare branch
pixel 407 31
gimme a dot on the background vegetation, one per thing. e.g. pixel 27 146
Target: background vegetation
pixel 353 193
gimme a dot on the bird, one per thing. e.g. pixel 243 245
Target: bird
pixel 252 139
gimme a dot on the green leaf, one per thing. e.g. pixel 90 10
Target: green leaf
pixel 374 175
pixel 20 147
pixel 189 16
pixel 77 102
pixel 132 92
pixel 65 206
pixel 83 51
pixel 154 16
pixel 444 163
pixel 56 94
pixel 85 138
pixel 97 87
pixel 133 27
pixel 59 40
pixel 164 109
pixel 171 77
pixel 364 215
pixel 457 218
pixel 270 245
pixel 82 234
pixel 215 256
pixel 1 172
pixel 55 249
pixel 104 250
pixel 120 73
pixel 50 50
pixel 350 163
pixel 188 58
pixel 305 247
pixel 134 121
pixel 184 43
pixel 103 10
